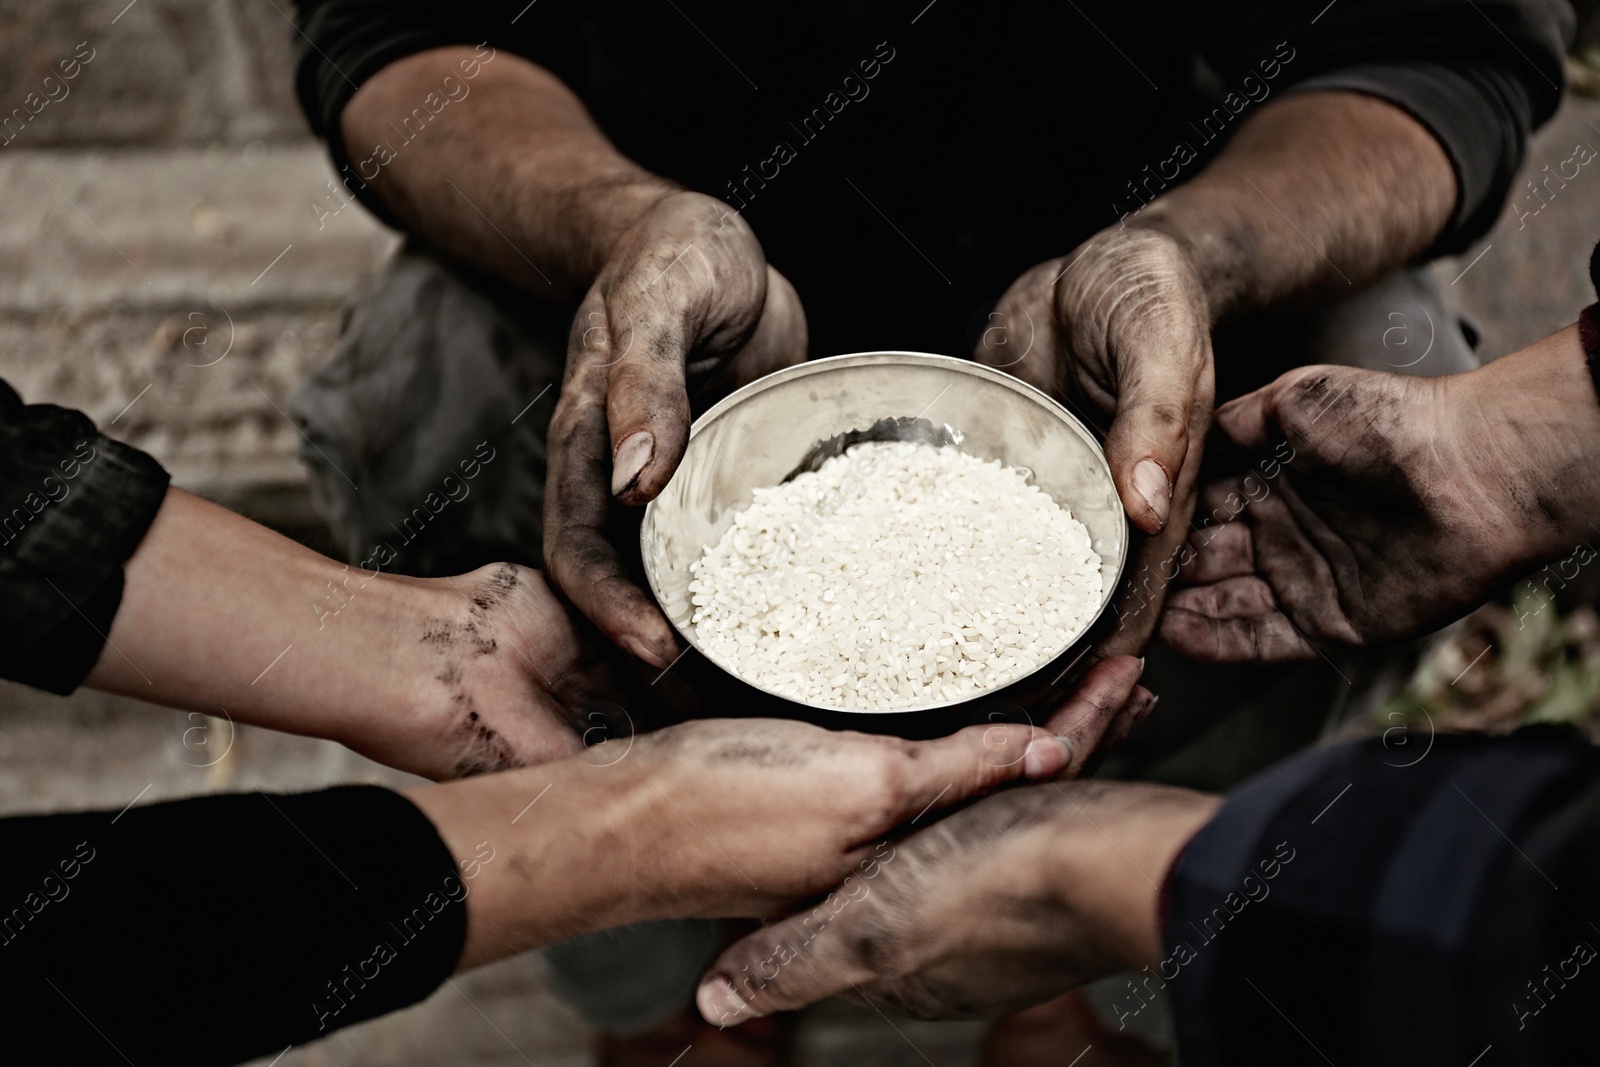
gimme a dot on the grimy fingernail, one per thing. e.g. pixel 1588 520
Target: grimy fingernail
pixel 632 456
pixel 635 647
pixel 1071 749
pixel 719 1003
pixel 1150 482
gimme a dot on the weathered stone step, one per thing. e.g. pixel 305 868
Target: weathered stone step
pixel 244 228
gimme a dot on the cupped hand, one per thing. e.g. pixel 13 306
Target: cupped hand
pixel 504 677
pixel 765 812
pixel 686 292
pixel 1391 506
pixel 1008 903
pixel 1121 329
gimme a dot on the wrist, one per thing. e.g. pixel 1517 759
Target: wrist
pixel 560 843
pixel 1113 875
pixel 1539 415
pixel 1198 226
pixel 371 624
pixel 607 206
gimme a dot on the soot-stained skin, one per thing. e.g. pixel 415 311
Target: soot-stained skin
pixel 652 312
pixel 1399 506
pixel 1120 330
pixel 965 919
pixel 457 643
pixel 787 757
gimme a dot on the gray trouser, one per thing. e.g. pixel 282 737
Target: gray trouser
pixel 434 361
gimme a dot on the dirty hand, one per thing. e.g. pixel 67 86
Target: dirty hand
pixel 685 294
pixel 1393 504
pixel 1005 904
pixel 1121 329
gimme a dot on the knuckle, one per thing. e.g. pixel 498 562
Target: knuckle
pixel 1168 417
pixel 891 788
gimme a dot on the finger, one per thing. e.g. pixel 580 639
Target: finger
pixel 975 761
pixel 1020 335
pixel 1232 598
pixel 778 968
pixel 1089 711
pixel 1224 499
pixel 1135 711
pixel 647 396
pixel 1245 420
pixel 1220 552
pixel 1250 421
pixel 580 558
pixel 1264 637
pixel 780 340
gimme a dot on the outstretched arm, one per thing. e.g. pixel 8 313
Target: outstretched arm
pixel 1293 915
pixel 512 175
pixel 441 677
pixel 357 901
pixel 1316 193
pixel 517 179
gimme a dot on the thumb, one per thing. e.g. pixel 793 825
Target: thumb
pixel 976 761
pixel 647 398
pixel 784 966
pixel 1245 419
pixel 1249 420
pixel 1149 439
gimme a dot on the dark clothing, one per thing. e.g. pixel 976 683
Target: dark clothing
pixel 336 906
pixel 1409 900
pixel 904 162
pixel 219 929
pixel 75 505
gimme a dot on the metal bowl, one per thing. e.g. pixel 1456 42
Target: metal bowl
pixel 774 428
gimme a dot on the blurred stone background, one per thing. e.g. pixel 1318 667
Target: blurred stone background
pixel 168 265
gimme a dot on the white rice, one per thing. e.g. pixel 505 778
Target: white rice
pixel 895 576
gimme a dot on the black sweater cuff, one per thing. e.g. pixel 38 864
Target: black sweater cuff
pixel 75 506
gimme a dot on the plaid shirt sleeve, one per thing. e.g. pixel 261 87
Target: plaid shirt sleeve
pixel 1382 903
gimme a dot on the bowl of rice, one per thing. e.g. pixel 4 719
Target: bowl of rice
pixel 887 534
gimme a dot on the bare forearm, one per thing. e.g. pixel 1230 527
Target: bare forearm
pixel 223 616
pixel 512 175
pixel 1316 195
pixel 558 870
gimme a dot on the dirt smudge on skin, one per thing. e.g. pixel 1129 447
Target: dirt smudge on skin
pixel 457 642
pixel 762 755
pixel 485 750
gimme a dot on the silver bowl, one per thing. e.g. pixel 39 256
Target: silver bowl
pixel 766 432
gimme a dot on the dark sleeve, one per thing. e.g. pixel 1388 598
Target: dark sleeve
pixel 345 42
pixel 219 929
pixel 74 504
pixel 1479 74
pixel 1394 904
